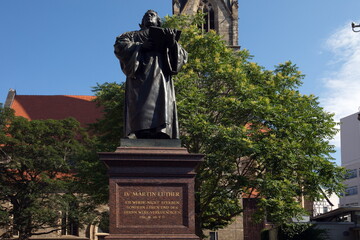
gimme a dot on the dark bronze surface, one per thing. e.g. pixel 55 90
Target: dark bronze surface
pixel 149 57
pixel 150 143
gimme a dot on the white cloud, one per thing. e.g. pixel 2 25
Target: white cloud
pixel 341 94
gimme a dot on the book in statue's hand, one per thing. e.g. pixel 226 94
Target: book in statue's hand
pixel 160 38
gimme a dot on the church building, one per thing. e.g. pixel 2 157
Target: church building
pixel 220 16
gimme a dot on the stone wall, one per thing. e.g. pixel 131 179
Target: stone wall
pixel 226 17
pixel 252 230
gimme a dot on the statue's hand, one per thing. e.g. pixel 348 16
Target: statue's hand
pixel 148 45
pixel 170 36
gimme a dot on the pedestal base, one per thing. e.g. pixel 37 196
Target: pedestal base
pixel 152 237
pixel 151 190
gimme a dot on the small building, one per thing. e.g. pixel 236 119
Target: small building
pixel 350 159
pixel 341 224
pixel 36 107
pixel 325 205
pixel 84 110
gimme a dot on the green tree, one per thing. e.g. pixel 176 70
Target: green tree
pixel 301 231
pixel 110 97
pixel 37 182
pixel 261 136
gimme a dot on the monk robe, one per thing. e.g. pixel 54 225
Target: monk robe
pixel 149 90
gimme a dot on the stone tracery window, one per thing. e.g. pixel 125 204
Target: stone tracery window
pixel 207 8
pixel 69 223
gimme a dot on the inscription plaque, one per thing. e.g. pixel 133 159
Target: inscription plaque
pixel 150 205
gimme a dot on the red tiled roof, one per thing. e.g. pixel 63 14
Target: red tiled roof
pixel 252 193
pixel 35 107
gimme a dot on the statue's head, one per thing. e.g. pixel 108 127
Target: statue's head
pixel 150 18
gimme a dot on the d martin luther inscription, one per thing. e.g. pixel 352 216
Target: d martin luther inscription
pixel 152 205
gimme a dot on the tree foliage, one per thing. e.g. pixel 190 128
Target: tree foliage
pixel 261 136
pixel 110 96
pixel 37 181
pixel 301 231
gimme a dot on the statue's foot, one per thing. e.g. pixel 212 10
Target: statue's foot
pixel 151 134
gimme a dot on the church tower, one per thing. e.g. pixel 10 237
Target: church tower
pixel 221 16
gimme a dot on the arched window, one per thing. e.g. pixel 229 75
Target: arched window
pixel 69 223
pixel 207 9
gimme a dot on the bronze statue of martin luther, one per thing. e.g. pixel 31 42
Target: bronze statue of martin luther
pixel 149 57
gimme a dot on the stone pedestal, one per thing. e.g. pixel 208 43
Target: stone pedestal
pixel 151 190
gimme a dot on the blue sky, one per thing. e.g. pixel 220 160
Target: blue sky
pixel 57 47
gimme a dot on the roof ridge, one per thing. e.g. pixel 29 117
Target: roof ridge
pixel 54 95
